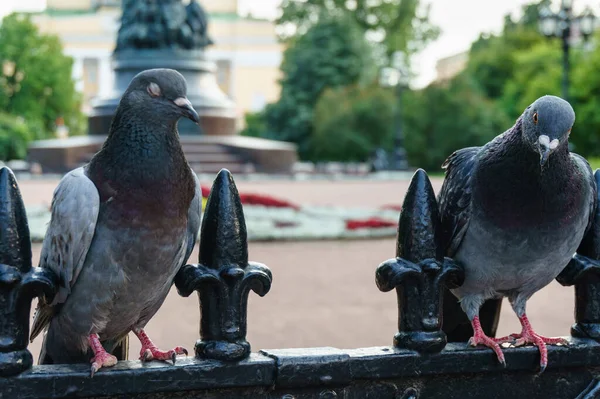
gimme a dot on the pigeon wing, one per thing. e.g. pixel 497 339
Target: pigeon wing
pixel 455 211
pixel 586 170
pixel 75 208
pixel 194 213
pixel 455 197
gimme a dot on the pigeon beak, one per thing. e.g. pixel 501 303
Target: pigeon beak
pixel 546 147
pixel 188 109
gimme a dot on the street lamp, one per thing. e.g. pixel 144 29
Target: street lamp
pixel 397 76
pixel 561 25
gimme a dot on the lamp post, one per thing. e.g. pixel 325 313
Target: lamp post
pixel 397 76
pixel 561 25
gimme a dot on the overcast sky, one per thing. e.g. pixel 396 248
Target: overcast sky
pixel 461 22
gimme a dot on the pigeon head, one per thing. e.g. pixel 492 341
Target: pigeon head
pixel 161 92
pixel 546 125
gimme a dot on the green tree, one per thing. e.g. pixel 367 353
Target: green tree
pixel 537 73
pixel 398 25
pixel 15 133
pixel 256 125
pixel 441 119
pixel 531 13
pixel 351 122
pixel 332 53
pixel 520 65
pixel 35 76
pixel 585 97
pixel 492 61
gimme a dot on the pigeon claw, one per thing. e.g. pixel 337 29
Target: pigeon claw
pixel 479 338
pixel 102 359
pixel 482 339
pixel 528 336
pixel 146 356
pixel 178 351
pixel 153 353
pixel 149 351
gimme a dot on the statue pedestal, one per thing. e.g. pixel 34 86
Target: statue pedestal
pixel 217 112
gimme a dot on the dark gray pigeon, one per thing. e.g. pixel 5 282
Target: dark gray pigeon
pixel 121 228
pixel 513 214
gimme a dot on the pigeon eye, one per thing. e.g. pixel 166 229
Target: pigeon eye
pixel 153 89
pixel 535 118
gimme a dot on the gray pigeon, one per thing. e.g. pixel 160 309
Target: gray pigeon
pixel 513 214
pixel 121 228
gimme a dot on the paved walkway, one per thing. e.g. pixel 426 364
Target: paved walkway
pixel 323 293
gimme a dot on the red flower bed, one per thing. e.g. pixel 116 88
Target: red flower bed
pixel 371 223
pixel 205 191
pixel 257 199
pixel 268 201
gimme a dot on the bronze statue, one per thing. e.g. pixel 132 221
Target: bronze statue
pixel 160 24
pixel 167 34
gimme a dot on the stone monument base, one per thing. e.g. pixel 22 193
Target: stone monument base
pixel 206 154
pixel 217 112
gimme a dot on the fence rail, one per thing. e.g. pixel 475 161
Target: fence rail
pixel 429 357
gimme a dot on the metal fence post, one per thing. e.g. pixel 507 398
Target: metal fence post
pixel 223 277
pixel 584 273
pixel 19 281
pixel 419 273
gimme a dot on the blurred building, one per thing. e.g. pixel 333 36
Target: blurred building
pixel 451 66
pixel 246 50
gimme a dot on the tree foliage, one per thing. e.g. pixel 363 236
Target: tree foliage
pixel 256 125
pixel 351 122
pixel 585 97
pixel 35 76
pixel 537 73
pixel 399 25
pixel 492 61
pixel 334 44
pixel 332 53
pixel 492 58
pixel 439 120
pixel 504 74
pixel 520 65
pixel 15 134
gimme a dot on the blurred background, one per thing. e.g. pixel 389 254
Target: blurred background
pixel 323 102
pixel 427 76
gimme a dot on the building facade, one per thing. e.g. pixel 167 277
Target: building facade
pixel 246 51
pixel 451 66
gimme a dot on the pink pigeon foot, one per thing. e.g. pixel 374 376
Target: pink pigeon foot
pixel 101 357
pixel 149 351
pixel 479 338
pixel 528 336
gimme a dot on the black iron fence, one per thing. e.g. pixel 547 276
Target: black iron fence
pixel 429 358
